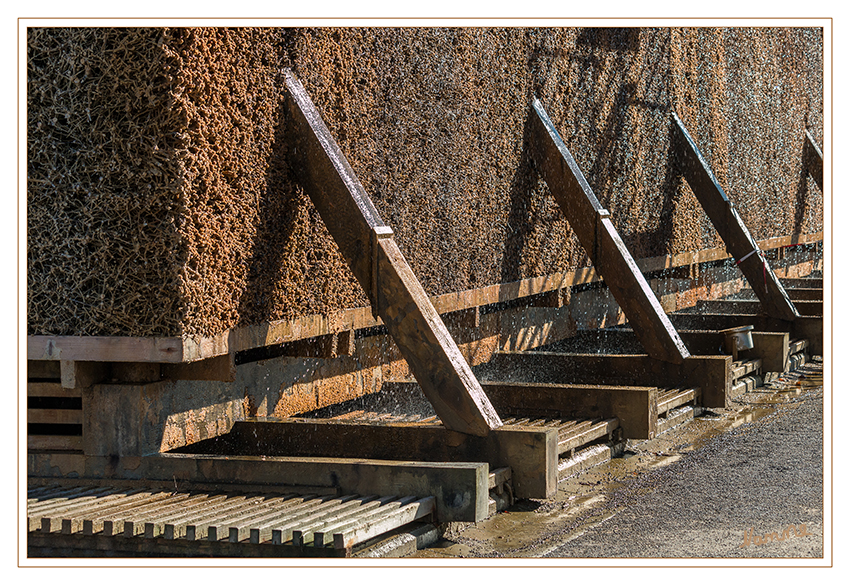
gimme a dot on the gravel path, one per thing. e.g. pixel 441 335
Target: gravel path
pixel 759 478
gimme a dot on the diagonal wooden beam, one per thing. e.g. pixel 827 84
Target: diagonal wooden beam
pixel 396 295
pixel 592 223
pixel 813 159
pixel 730 226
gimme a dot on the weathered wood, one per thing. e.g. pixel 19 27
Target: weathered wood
pixel 635 407
pixel 355 533
pixel 711 373
pixel 803 283
pixel 42 369
pixel 217 369
pixel 806 327
pixel 378 264
pixel 746 307
pixel 82 374
pixel 592 224
pixel 460 488
pixel 813 159
pixel 730 226
pixel 52 390
pixel 62 416
pixel 530 453
pixel 54 442
pixel 795 294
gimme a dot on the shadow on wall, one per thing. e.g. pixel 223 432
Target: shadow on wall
pixel 616 123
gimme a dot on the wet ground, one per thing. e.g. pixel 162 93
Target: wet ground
pixel 742 482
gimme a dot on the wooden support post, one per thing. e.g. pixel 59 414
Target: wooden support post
pixel 813 159
pixel 592 224
pixel 711 373
pixel 378 264
pixel 731 228
pixel 530 453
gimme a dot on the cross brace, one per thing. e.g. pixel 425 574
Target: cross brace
pixel 730 226
pixel 592 224
pixel 368 246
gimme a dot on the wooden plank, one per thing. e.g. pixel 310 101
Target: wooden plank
pixel 803 283
pixel 313 531
pixel 54 443
pixel 744 307
pixel 678 398
pixel 711 372
pixel 592 224
pixel 795 294
pixel 459 487
pixel 635 407
pixel 585 435
pixel 378 264
pixel 52 390
pixel 730 226
pixel 357 533
pixel 43 370
pixel 105 349
pixel 60 416
pixel 530 453
pixel 813 159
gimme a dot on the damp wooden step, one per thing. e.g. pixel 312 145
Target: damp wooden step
pixel 669 399
pixel 261 519
pixel 572 433
pixel 675 418
pixel 745 368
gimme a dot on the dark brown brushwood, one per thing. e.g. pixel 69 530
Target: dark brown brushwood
pixel 592 223
pixel 730 226
pixel 377 263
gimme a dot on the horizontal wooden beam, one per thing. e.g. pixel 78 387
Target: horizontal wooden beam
pixel 180 350
pixel 802 282
pixel 636 407
pixel 746 307
pixel 459 488
pixel 531 454
pixel 804 327
pixel 795 294
pixel 711 373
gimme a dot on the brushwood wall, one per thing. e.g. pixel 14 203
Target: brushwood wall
pixel 159 201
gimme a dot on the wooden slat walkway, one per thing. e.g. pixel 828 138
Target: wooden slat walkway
pixel 263 519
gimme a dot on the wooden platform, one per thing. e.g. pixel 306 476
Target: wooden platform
pixel 108 520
